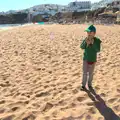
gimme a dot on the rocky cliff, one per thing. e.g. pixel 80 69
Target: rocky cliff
pixel 13 18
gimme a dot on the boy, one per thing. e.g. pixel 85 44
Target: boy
pixel 91 46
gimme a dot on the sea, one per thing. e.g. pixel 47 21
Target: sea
pixel 9 25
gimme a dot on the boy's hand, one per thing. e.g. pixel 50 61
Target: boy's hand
pixel 88 42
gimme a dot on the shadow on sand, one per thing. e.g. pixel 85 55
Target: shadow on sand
pixel 100 104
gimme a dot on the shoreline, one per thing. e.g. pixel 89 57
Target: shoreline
pixel 14 26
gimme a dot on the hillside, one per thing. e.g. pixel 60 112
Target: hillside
pixel 102 3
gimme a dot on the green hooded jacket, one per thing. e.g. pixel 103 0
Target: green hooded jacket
pixel 90 52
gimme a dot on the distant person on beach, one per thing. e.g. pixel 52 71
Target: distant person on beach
pixel 91 46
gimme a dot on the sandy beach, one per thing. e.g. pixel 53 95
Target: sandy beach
pixel 41 74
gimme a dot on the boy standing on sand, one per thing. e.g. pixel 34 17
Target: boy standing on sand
pixel 91 46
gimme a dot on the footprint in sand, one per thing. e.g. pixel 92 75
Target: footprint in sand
pixel 88 117
pixel 2 111
pixel 4 85
pixel 75 91
pixel 103 94
pixel 46 86
pixel 80 99
pixel 47 118
pixel 10 117
pixel 97 88
pixel 92 110
pixel 72 105
pixel 65 88
pixel 50 72
pixel 90 104
pixel 54 113
pixel 29 117
pixel 47 82
pixel 118 90
pixel 100 118
pixel 42 94
pixel 15 108
pixel 47 107
pixel 61 102
pixel 76 74
pixel 2 101
pixel 118 86
pixel 117 107
pixel 112 100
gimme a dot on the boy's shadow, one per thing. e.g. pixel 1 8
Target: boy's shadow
pixel 100 104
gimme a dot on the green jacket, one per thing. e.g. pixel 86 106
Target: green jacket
pixel 90 52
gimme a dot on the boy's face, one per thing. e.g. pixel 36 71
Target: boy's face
pixel 92 34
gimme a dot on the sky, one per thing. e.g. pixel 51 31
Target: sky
pixel 6 5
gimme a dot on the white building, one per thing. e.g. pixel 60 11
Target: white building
pixel 118 16
pixel 116 4
pixel 79 6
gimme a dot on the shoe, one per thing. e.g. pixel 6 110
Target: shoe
pixel 82 88
pixel 90 87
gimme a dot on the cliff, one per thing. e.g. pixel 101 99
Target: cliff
pixel 13 18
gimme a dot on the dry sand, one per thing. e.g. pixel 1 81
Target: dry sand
pixel 41 72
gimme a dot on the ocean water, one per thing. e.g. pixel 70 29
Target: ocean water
pixel 15 25
pixel 9 25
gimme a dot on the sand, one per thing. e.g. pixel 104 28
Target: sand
pixel 41 73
